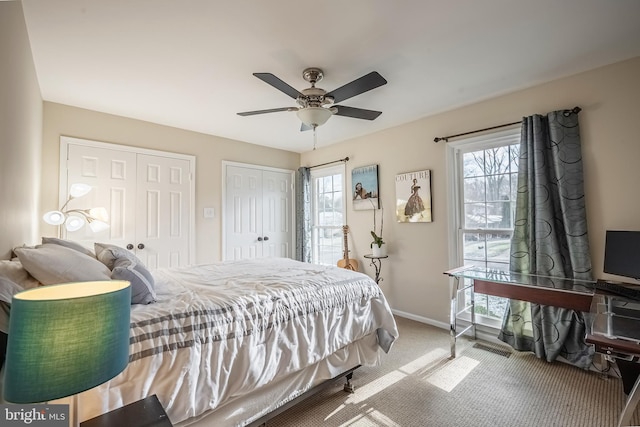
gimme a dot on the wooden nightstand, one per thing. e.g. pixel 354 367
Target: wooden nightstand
pixel 147 412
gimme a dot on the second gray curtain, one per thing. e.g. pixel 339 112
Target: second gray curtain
pixel 303 214
pixel 550 237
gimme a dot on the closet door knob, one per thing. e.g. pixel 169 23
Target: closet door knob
pixel 259 239
pixel 129 246
pixel 266 238
pixel 140 246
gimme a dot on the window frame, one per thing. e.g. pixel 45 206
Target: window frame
pixel 315 174
pixel 455 198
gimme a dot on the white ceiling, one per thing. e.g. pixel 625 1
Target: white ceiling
pixel 189 63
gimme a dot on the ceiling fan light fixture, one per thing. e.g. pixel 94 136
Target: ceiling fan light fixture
pixel 314 116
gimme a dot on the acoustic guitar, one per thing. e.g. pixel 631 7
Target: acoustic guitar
pixel 346 262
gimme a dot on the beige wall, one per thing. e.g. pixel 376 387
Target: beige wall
pixel 610 130
pixel 20 133
pixel 413 279
pixel 209 150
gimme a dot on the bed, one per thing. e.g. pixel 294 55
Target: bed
pixel 228 344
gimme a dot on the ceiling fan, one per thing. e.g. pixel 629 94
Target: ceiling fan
pixel 315 104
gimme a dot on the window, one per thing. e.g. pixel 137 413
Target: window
pixel 485 183
pixel 328 215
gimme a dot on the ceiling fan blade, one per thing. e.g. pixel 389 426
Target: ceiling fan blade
pixel 358 86
pixel 278 84
pixel 272 110
pixel 356 113
pixel 304 127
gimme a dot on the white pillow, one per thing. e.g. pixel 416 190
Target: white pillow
pixel 52 264
pixel 14 271
pixel 8 289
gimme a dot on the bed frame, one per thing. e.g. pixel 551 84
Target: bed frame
pixel 348 387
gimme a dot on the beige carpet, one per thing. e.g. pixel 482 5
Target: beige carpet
pixel 418 385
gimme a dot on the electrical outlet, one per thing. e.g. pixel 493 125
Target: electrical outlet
pixel 209 213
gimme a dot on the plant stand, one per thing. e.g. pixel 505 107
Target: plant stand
pixel 376 262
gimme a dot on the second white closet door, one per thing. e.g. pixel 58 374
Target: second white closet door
pixel 162 211
pixel 258 220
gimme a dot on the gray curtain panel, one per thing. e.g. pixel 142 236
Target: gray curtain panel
pixel 303 214
pixel 550 237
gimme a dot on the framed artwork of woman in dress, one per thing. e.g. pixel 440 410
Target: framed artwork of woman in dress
pixel 413 196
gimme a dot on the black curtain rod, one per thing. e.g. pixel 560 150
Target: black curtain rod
pixel 346 159
pixel 574 110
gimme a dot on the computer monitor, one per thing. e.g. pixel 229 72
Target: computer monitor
pixel 622 253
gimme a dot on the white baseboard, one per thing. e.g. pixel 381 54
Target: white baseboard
pixel 484 333
pixel 421 319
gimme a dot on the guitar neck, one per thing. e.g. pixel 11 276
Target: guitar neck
pixel 345 230
pixel 346 248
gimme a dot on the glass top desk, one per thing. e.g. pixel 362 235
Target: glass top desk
pixel 554 291
pixel 615 320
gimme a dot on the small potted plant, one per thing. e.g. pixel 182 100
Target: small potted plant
pixel 378 247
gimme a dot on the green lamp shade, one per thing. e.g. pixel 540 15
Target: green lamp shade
pixel 65 339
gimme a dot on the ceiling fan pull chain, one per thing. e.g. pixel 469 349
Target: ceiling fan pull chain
pixel 314 137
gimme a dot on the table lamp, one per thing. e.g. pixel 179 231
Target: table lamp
pixel 65 339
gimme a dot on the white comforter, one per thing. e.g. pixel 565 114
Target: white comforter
pixel 221 331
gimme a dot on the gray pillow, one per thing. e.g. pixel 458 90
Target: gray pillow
pixel 126 266
pixel 69 244
pixel 142 283
pixel 52 264
pixel 108 254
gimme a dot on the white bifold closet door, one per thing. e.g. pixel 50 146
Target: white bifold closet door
pixel 258 212
pixel 147 196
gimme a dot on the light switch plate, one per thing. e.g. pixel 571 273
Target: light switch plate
pixel 209 213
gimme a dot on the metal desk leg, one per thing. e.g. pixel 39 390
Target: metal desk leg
pixel 630 406
pixel 473 311
pixel 454 289
pixel 453 292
